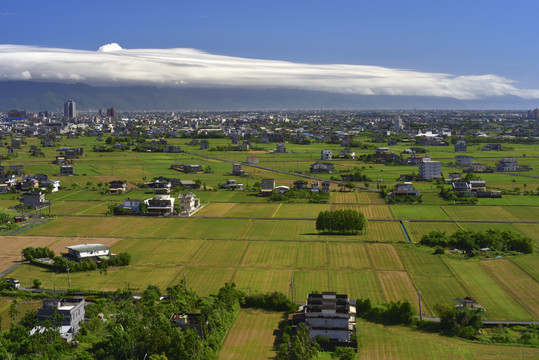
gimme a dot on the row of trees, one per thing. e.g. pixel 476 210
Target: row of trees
pixel 341 222
pixel 471 241
pixel 300 196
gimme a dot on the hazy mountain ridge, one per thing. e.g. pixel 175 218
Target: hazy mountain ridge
pixel 38 96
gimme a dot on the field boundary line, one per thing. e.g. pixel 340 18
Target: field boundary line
pixel 239 262
pixel 246 229
pixel 507 290
pixel 327 265
pixel 375 273
pixel 90 208
pixel 445 212
pixel 521 268
pixel 275 212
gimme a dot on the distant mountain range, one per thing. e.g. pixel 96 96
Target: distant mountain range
pixel 39 96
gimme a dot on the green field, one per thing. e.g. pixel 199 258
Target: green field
pixel 423 212
pixel 400 342
pixel 487 291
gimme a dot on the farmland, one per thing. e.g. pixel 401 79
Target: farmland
pixel 251 336
pixel 265 246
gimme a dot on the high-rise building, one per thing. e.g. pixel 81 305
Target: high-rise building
pixel 430 169
pixel 397 123
pixel 111 114
pixel 70 110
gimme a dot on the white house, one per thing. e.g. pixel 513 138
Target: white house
pixel 87 251
pixel 188 203
pixel 133 204
pixel 326 155
pixel 430 169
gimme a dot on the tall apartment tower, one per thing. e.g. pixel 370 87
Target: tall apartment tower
pixel 111 114
pixel 70 109
pixel 430 169
pixel 397 123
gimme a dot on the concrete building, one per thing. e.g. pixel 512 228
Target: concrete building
pixel 266 187
pixel 236 169
pixel 464 160
pixel 204 144
pixel 161 205
pixel 34 200
pixel 188 203
pixel 460 146
pixel 508 164
pixel 330 315
pixel 133 204
pixel 66 170
pixel 430 169
pixel 326 155
pixel 71 312
pixel 280 148
pixel 70 109
pixel 325 186
pixel 397 123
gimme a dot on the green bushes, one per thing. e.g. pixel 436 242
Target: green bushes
pixel 470 241
pixel 463 322
pixel 274 301
pixel 341 222
pixel 399 312
pixel 300 196
pixel 31 253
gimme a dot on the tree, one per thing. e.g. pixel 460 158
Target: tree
pixel 303 348
pixel 344 353
pixel 36 283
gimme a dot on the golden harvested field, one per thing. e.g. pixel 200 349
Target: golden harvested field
pixel 12 245
pixel 342 255
pixel 301 210
pixel 384 257
pixel 516 282
pixel 397 285
pixel 527 213
pixel 343 198
pixel 251 336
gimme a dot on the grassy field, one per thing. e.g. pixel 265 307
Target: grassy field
pixel 416 230
pixel 459 212
pixel 370 211
pixel 397 285
pixel 301 210
pixel 261 280
pixel 270 254
pixel 423 212
pixel 384 257
pixel 251 336
pixel 378 342
pixel 356 283
pixel 385 231
pixel 487 291
pixel 516 282
pixel 343 255
pixel 528 263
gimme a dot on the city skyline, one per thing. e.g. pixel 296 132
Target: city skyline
pixel 460 51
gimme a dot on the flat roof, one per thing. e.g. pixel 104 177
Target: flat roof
pixel 88 247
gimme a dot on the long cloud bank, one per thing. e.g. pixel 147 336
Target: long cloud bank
pixel 111 65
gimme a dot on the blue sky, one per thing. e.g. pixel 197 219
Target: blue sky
pixel 472 37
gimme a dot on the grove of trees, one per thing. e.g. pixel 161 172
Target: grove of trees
pixel 341 222
pixel 471 241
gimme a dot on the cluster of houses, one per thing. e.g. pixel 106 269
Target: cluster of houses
pixel 267 186
pixel 163 205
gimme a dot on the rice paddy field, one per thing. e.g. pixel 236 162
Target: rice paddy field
pixel 265 246
pixel 251 336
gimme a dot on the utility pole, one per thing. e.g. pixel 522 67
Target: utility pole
pixel 68 279
pixel 420 310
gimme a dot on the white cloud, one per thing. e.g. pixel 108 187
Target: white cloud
pixel 112 65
